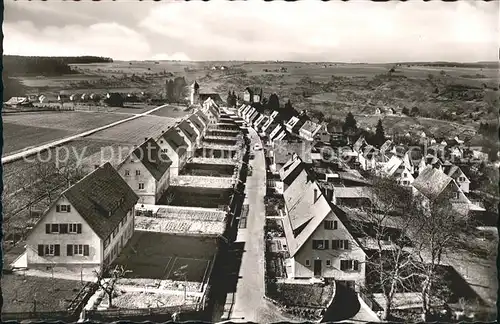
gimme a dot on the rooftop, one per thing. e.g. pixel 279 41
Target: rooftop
pixel 431 182
pixel 202 160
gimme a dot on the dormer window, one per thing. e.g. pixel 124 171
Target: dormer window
pixel 137 172
pixel 461 179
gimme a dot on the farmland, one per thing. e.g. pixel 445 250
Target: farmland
pixel 134 131
pixel 30 129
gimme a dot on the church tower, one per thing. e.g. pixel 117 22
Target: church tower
pixel 194 93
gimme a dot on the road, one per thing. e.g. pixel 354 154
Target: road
pixel 36 149
pixel 249 303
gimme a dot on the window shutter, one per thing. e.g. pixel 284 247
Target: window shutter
pixel 356 265
pixel 68 208
pixel 86 250
pixel 47 228
pixel 40 249
pixel 58 208
pixel 346 244
pixel 326 244
pixel 63 228
pixel 69 250
pixel 57 251
pixel 335 224
pixel 79 228
pixel 342 264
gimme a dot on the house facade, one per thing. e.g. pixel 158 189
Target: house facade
pixel 146 173
pixel 189 134
pixel 173 145
pixel 252 95
pixel 309 130
pixel 87 226
pixel 319 244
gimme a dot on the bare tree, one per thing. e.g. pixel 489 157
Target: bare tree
pixel 109 286
pixel 436 230
pixel 384 227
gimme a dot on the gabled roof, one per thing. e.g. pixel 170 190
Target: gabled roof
pixel 305 214
pixel 431 182
pixel 196 122
pixel 359 144
pixel 283 150
pixel 392 165
pixel 453 171
pixel 310 127
pixel 290 170
pixel 17 100
pixel 188 130
pixel 102 198
pixel 214 96
pixel 156 162
pixel 202 117
pixel 175 140
pixel 386 146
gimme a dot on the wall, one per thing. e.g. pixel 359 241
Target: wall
pixel 146 195
pixel 190 146
pixel 162 185
pixel 38 236
pixel 198 133
pixel 125 232
pixel 173 156
pixel 333 271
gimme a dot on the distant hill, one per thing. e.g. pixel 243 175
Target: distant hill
pixel 15 65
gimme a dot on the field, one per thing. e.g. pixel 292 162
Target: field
pixel 134 131
pixel 30 129
pixel 19 293
pixel 165 256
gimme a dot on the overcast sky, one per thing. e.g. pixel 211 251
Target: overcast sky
pixel 355 31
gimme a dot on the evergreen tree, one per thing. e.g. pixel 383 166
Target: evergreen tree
pixel 414 111
pixel 350 124
pixel 229 99
pixel 273 102
pixel 170 90
pixel 379 137
pixel 405 111
pixel 288 106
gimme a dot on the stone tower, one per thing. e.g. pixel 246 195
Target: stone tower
pixel 194 93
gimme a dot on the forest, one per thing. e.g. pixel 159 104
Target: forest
pixel 15 65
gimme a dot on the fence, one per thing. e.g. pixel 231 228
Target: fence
pixel 122 313
pixel 65 316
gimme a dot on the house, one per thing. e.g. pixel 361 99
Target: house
pixel 95 97
pixel 18 102
pixel 63 97
pixel 84 97
pixel 146 171
pixel 253 117
pixel 114 99
pixel 211 110
pixel 294 124
pixel 434 185
pixel 196 124
pixel 264 124
pixel 319 243
pixel 190 135
pixel 309 130
pixel 87 225
pixel 458 175
pixel 390 111
pixel 399 170
pixel 215 97
pixel 203 120
pixel 367 158
pixel 42 99
pixel 252 95
pixel 282 151
pixel 278 133
pixel 74 97
pixel 173 145
pixel 377 111
pixel 258 121
pixel 322 135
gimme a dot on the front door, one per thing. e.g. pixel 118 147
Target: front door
pixel 317 268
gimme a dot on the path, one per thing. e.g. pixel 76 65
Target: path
pixel 35 150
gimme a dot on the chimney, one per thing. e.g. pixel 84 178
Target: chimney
pixel 145 139
pixel 315 194
pixel 329 194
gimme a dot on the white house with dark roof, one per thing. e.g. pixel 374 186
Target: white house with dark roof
pixel 189 134
pixel 197 125
pixel 211 110
pixel 86 226
pixel 318 241
pixel 146 173
pixel 397 169
pixel 458 175
pixel 309 130
pixel 173 145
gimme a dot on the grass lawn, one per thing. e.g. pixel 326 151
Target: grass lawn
pixel 171 111
pixel 164 256
pixel 19 292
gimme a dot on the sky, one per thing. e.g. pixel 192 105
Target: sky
pixel 354 31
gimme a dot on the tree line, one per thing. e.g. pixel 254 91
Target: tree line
pixel 176 90
pixel 15 65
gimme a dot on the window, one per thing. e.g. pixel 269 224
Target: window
pixel 340 244
pixel 349 265
pixel 308 263
pixel 320 244
pixel 75 228
pixel 63 208
pixel 455 195
pixel 406 182
pixel 164 150
pixel 461 179
pixel 335 224
pixel 106 243
pixel 137 172
pixel 328 224
pixel 141 186
pixel 77 249
pixel 328 263
pixel 48 249
pixel 127 172
pixel 54 228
